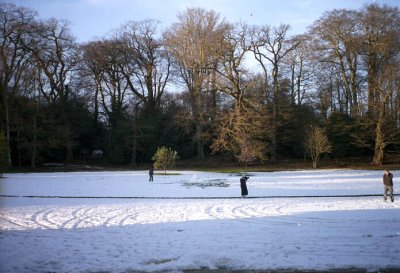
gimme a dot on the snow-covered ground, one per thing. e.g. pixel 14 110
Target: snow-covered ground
pixel 120 222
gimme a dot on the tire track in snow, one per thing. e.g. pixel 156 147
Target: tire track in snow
pixel 47 217
pixel 117 218
pixel 245 211
pixel 98 217
pixel 41 217
pixel 83 218
pixel 75 216
pixel 127 217
pixel 215 212
pixel 151 212
pixel 15 222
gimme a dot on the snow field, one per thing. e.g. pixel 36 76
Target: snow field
pixel 118 235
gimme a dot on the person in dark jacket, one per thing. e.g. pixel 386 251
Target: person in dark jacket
pixel 388 185
pixel 151 172
pixel 243 186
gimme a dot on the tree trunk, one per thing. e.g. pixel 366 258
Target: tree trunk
pixel 354 111
pixel 7 126
pixel 214 92
pixel 275 115
pixel 372 81
pixel 34 143
pixel 380 144
pixel 292 83
pixel 70 155
pixel 198 118
pixel 135 139
pixel 315 162
pixel 19 146
pixel 200 146
pixel 299 78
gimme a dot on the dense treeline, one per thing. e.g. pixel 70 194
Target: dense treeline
pixel 193 87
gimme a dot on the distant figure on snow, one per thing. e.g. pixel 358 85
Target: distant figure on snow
pixel 243 186
pixel 151 172
pixel 388 185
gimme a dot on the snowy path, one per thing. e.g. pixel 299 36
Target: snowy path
pixel 118 235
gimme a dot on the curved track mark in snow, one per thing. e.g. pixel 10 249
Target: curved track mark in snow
pixel 41 219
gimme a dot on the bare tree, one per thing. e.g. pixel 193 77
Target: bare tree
pixel 300 68
pixel 56 55
pixel 104 60
pixel 235 46
pixel 145 65
pixel 240 133
pixel 14 58
pixel 381 26
pixel 337 39
pixel 381 39
pixel 270 46
pixel 386 132
pixel 194 43
pixel 329 89
pixel 238 129
pixel 91 73
pixel 317 144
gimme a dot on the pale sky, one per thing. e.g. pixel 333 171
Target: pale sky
pixel 96 18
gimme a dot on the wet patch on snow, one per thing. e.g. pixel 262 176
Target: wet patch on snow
pixel 207 183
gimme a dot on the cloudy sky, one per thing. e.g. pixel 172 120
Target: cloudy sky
pixel 96 18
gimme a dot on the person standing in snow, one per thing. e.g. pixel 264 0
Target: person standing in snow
pixel 151 172
pixel 243 186
pixel 388 185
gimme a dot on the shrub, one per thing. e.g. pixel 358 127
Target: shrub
pixel 164 158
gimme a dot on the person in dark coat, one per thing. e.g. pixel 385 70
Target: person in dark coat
pixel 151 172
pixel 388 185
pixel 243 186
